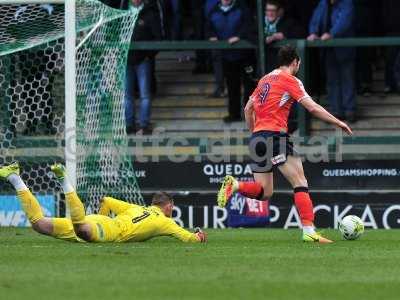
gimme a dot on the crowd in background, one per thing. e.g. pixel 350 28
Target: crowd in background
pixel 347 70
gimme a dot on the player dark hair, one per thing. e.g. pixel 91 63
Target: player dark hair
pixel 276 3
pixel 161 199
pixel 286 55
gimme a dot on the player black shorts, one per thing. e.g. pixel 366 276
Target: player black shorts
pixel 268 150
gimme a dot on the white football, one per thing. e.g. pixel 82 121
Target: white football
pixel 351 227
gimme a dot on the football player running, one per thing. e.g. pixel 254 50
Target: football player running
pixel 266 115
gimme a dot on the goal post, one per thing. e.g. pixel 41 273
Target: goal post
pixel 70 90
pixel 62 76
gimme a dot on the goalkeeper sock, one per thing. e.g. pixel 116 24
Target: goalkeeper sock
pixel 66 185
pixel 76 209
pixel 17 182
pixel 304 206
pixel 252 190
pixel 30 205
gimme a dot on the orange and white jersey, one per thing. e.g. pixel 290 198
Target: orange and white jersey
pixel 273 98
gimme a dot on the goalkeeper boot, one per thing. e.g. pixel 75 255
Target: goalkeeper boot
pixel 315 237
pixel 228 188
pixel 8 170
pixel 59 170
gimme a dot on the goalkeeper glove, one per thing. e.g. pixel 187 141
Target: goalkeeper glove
pixel 202 236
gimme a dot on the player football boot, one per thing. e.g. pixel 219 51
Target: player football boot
pixel 316 237
pixel 59 170
pixel 8 170
pixel 228 188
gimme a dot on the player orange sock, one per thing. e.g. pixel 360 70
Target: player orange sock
pixel 304 205
pixel 252 190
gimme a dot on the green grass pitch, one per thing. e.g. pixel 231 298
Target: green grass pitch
pixel 235 264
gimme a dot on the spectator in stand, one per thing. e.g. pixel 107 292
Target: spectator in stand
pixel 139 68
pixel 334 19
pixel 159 7
pixel 174 18
pixel 216 56
pixel 391 27
pixel 230 21
pixel 202 57
pixel 365 10
pixel 277 27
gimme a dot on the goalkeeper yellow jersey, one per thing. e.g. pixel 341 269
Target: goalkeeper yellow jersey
pixel 136 224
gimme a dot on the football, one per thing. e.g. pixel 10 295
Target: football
pixel 351 227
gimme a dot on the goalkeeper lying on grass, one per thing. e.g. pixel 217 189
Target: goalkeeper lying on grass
pixel 133 223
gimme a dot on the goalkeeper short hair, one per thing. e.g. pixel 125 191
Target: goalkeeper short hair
pixel 161 199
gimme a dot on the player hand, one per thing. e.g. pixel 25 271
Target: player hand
pixel 312 37
pixel 345 128
pixel 213 39
pixel 202 236
pixel 233 40
pixel 326 36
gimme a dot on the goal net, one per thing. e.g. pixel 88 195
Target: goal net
pixel 32 98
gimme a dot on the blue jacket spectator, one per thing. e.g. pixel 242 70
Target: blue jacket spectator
pixel 216 55
pixel 229 21
pixel 340 24
pixel 225 23
pixel 334 19
pixel 210 4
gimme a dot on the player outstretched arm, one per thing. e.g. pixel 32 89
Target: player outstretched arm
pixel 322 114
pixel 174 230
pixel 168 227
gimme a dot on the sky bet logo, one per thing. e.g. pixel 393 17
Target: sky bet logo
pixel 250 207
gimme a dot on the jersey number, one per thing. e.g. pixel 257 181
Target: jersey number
pixel 264 93
pixel 141 217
